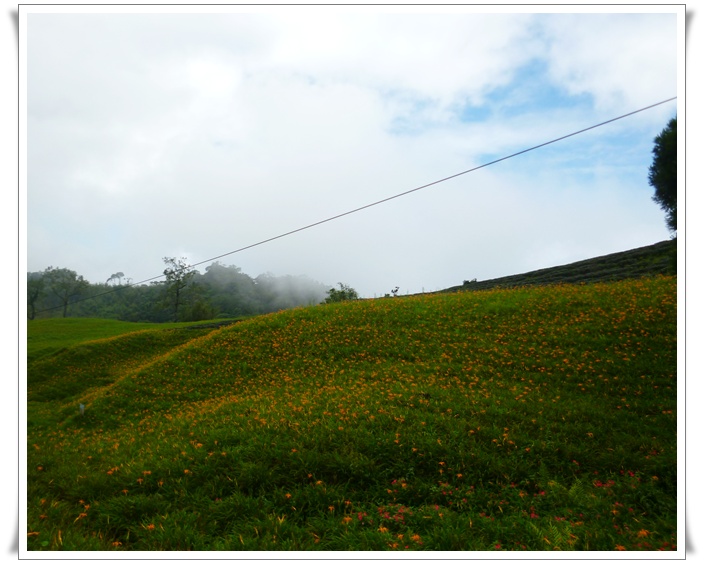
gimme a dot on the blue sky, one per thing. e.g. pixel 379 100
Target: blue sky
pixel 197 134
pixel 530 90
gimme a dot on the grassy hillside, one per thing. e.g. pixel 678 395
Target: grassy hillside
pixel 46 337
pixel 660 258
pixel 528 419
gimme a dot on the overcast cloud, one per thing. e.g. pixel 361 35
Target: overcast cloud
pixel 153 135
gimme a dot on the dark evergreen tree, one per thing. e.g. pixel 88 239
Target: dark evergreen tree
pixel 663 173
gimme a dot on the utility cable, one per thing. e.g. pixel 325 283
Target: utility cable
pixel 350 212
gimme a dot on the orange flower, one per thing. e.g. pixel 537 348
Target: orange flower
pixel 643 533
pixel 620 547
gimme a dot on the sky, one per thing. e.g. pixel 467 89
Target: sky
pixel 160 134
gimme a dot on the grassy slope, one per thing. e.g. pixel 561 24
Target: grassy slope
pixel 46 337
pixel 651 260
pixel 534 418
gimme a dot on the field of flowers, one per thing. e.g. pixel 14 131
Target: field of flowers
pixel 541 418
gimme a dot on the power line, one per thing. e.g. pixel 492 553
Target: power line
pixel 350 212
pixel 427 185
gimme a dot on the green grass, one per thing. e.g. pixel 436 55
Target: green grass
pixel 538 418
pixel 653 260
pixel 46 337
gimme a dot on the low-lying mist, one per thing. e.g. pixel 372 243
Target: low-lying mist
pixel 221 291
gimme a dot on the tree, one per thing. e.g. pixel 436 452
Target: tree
pixel 663 173
pixel 178 277
pixel 230 291
pixel 345 293
pixel 65 284
pixel 35 290
pixel 117 276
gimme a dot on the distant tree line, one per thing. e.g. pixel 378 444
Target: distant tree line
pixel 184 294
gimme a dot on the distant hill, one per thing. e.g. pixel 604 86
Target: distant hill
pixel 660 258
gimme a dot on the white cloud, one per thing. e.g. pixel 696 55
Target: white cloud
pixel 154 136
pixel 438 59
pixel 624 61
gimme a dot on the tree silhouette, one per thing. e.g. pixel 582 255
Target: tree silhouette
pixel 178 277
pixel 117 276
pixel 345 293
pixel 65 284
pixel 35 290
pixel 663 173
